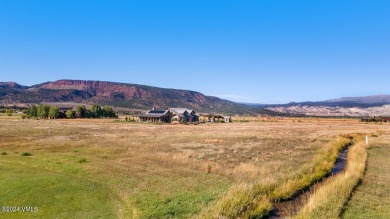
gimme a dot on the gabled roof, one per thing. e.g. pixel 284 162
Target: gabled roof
pixel 155 113
pixel 181 110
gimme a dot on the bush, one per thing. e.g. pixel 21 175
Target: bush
pixel 26 154
pixel 4 153
pixel 83 160
pixel 9 112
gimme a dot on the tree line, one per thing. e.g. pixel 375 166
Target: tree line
pixel 44 111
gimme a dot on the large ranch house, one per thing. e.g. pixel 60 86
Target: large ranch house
pixel 182 115
pixel 153 115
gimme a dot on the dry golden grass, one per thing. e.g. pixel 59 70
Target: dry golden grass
pixel 163 171
pixel 248 200
pixel 330 198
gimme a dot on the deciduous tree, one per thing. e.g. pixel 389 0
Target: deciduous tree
pixel 54 112
pixel 70 114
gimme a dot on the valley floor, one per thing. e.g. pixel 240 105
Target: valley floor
pixel 99 168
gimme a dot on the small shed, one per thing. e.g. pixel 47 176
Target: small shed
pixel 211 117
pixel 385 118
pixel 366 119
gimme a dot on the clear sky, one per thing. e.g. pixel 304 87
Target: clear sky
pixel 264 51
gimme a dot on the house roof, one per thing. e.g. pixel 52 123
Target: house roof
pixel 181 110
pixel 155 113
pixel 152 115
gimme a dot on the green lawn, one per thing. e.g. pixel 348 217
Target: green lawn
pixel 62 187
pixel 72 173
pixel 372 198
pixel 56 195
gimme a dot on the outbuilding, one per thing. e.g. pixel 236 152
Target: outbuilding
pixel 227 119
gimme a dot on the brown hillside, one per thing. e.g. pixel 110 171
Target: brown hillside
pixel 118 94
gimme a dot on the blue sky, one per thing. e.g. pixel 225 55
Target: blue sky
pixel 265 51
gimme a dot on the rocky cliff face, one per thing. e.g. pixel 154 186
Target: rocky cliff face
pixel 99 88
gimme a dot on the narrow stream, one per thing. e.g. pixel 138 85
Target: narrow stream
pixel 291 207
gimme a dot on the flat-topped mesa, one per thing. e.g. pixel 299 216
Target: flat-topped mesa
pixel 99 88
pixel 126 91
pixel 73 84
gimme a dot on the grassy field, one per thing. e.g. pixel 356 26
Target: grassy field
pixel 371 198
pixel 328 200
pixel 99 168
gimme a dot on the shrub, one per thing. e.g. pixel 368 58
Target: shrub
pixel 209 168
pixel 9 112
pixel 26 154
pixel 4 153
pixel 83 160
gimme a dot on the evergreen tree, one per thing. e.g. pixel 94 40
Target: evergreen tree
pixel 108 112
pixel 81 112
pixel 96 111
pixel 89 114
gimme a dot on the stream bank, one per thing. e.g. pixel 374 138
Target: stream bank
pixel 291 206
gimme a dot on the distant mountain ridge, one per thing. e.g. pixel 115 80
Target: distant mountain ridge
pixel 346 106
pixel 144 97
pixel 363 102
pixel 375 99
pixel 11 85
pixel 119 95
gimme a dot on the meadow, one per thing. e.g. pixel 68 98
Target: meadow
pixel 98 168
